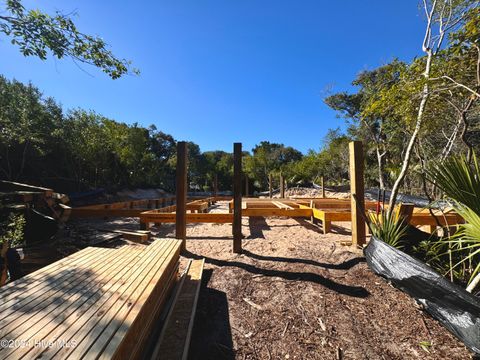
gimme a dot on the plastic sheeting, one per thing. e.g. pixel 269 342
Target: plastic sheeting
pixel 454 307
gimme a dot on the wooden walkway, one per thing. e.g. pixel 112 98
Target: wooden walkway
pixel 95 304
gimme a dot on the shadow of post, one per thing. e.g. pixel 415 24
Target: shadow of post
pixel 212 335
pixel 257 224
pixel 354 291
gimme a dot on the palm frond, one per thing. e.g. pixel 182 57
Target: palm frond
pixel 389 228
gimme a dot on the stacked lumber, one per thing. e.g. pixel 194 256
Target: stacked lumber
pixel 97 303
pixel 17 196
pixel 174 340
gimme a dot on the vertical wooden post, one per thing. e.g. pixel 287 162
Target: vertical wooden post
pixel 215 187
pixel 246 186
pixel 282 187
pixel 357 188
pixel 237 198
pixel 181 194
pixel 270 185
pixel 323 186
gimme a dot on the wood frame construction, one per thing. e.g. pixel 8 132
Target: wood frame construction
pixel 135 207
pixel 237 198
pixel 357 189
pixel 181 192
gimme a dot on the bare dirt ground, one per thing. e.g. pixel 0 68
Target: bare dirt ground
pixel 296 293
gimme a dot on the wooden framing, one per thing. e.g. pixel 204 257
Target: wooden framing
pixel 237 198
pixel 270 186
pixel 282 187
pixel 181 192
pixel 357 188
pixel 322 182
pixel 147 217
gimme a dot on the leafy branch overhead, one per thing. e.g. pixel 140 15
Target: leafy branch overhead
pixel 37 34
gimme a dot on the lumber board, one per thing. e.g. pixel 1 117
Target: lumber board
pixel 191 218
pixel 12 185
pixel 267 212
pixel 27 283
pixel 48 318
pixel 110 313
pixel 174 340
pixel 85 213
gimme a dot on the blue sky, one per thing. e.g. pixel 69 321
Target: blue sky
pixel 217 71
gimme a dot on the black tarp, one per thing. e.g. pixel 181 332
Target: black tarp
pixel 453 306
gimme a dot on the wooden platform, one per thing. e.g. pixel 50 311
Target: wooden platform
pixel 97 303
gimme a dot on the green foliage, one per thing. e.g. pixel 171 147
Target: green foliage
pixel 269 158
pixel 331 161
pixel 11 229
pixel 37 33
pixel 388 227
pixel 460 180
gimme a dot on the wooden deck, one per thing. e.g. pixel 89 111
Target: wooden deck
pixel 97 303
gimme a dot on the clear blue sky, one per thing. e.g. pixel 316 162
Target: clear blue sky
pixel 219 71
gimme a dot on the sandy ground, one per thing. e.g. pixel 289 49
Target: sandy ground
pixel 296 293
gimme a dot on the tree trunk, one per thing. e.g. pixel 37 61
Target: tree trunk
pixel 24 159
pixel 380 168
pixel 413 138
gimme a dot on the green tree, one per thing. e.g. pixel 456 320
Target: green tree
pixel 37 34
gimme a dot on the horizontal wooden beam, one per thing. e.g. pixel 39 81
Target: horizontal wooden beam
pixel 191 218
pixel 84 213
pixel 267 212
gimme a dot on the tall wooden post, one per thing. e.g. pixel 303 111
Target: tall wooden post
pixel 357 188
pixel 181 194
pixel 237 198
pixel 270 185
pixel 215 186
pixel 282 187
pixel 323 186
pixel 246 186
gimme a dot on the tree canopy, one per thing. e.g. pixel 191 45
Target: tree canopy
pixel 38 34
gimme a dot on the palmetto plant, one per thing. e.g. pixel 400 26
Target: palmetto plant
pixel 460 181
pixel 389 227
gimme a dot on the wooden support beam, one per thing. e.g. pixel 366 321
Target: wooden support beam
pixel 181 192
pixel 323 186
pixel 270 185
pixel 237 198
pixel 405 211
pixel 357 188
pixel 282 187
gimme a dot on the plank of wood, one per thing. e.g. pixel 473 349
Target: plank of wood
pixel 108 334
pixel 79 312
pixel 100 213
pixel 71 299
pixel 138 236
pixel 31 282
pixel 89 314
pixel 282 205
pixel 20 186
pixel 174 340
pixel 47 300
pixel 277 212
pixel 191 218
pixel 237 198
pixel 139 333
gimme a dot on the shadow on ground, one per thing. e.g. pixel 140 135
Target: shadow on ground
pixel 212 336
pixel 354 291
